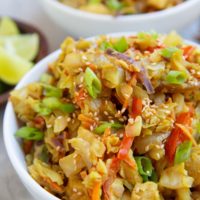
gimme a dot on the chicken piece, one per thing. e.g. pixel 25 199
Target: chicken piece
pixel 144 191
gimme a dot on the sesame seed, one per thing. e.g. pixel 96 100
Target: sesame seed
pixel 81 85
pixel 123 110
pixel 81 79
pixel 49 126
pixel 147 148
pixel 59 117
pixel 96 118
pixel 95 113
pixel 121 135
pixel 131 120
pixel 105 113
pixel 84 57
pixel 79 193
pixel 73 115
pixel 112 121
pixel 91 128
pixel 158 155
pixel 68 119
pixel 74 83
pixel 75 190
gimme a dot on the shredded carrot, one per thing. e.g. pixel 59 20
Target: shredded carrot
pixel 86 121
pixel 130 162
pixel 80 97
pixel 96 193
pixel 186 132
pixel 133 80
pixel 52 186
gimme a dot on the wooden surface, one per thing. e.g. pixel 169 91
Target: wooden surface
pixel 10 186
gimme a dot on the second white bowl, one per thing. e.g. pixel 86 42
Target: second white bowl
pixel 83 24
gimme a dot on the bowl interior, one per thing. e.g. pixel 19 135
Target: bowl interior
pixel 43 50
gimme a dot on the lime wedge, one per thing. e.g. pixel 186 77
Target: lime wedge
pixel 12 67
pixel 26 46
pixel 8 27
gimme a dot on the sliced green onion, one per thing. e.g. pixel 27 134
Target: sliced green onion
pixel 198 127
pixel 54 103
pixel 42 110
pixel 67 107
pixel 29 133
pixel 144 165
pixel 51 102
pixel 114 4
pixel 105 45
pixel 145 35
pixel 183 152
pixel 94 1
pixel 154 177
pixel 46 78
pixel 121 45
pixel 176 77
pixel 92 83
pixel 51 91
pixel 100 129
pixel 168 52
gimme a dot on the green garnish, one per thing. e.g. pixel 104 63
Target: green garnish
pixel 105 45
pixel 42 110
pixel 121 45
pixel 145 168
pixel 49 104
pixel 168 52
pixel 92 83
pixel 46 78
pixel 183 152
pixel 100 129
pixel 94 1
pixel 146 35
pixel 176 77
pixel 114 4
pixel 51 91
pixel 29 133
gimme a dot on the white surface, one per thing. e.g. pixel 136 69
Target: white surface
pixel 86 24
pixel 10 186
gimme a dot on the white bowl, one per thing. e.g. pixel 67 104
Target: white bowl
pixel 10 126
pixel 83 24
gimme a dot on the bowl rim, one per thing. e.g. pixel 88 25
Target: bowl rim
pixel 94 16
pixel 17 164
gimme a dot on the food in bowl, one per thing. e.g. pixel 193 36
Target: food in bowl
pixel 17 51
pixel 121 7
pixel 115 118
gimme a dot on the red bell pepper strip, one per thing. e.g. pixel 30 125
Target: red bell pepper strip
pixel 188 50
pixel 136 107
pixel 176 137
